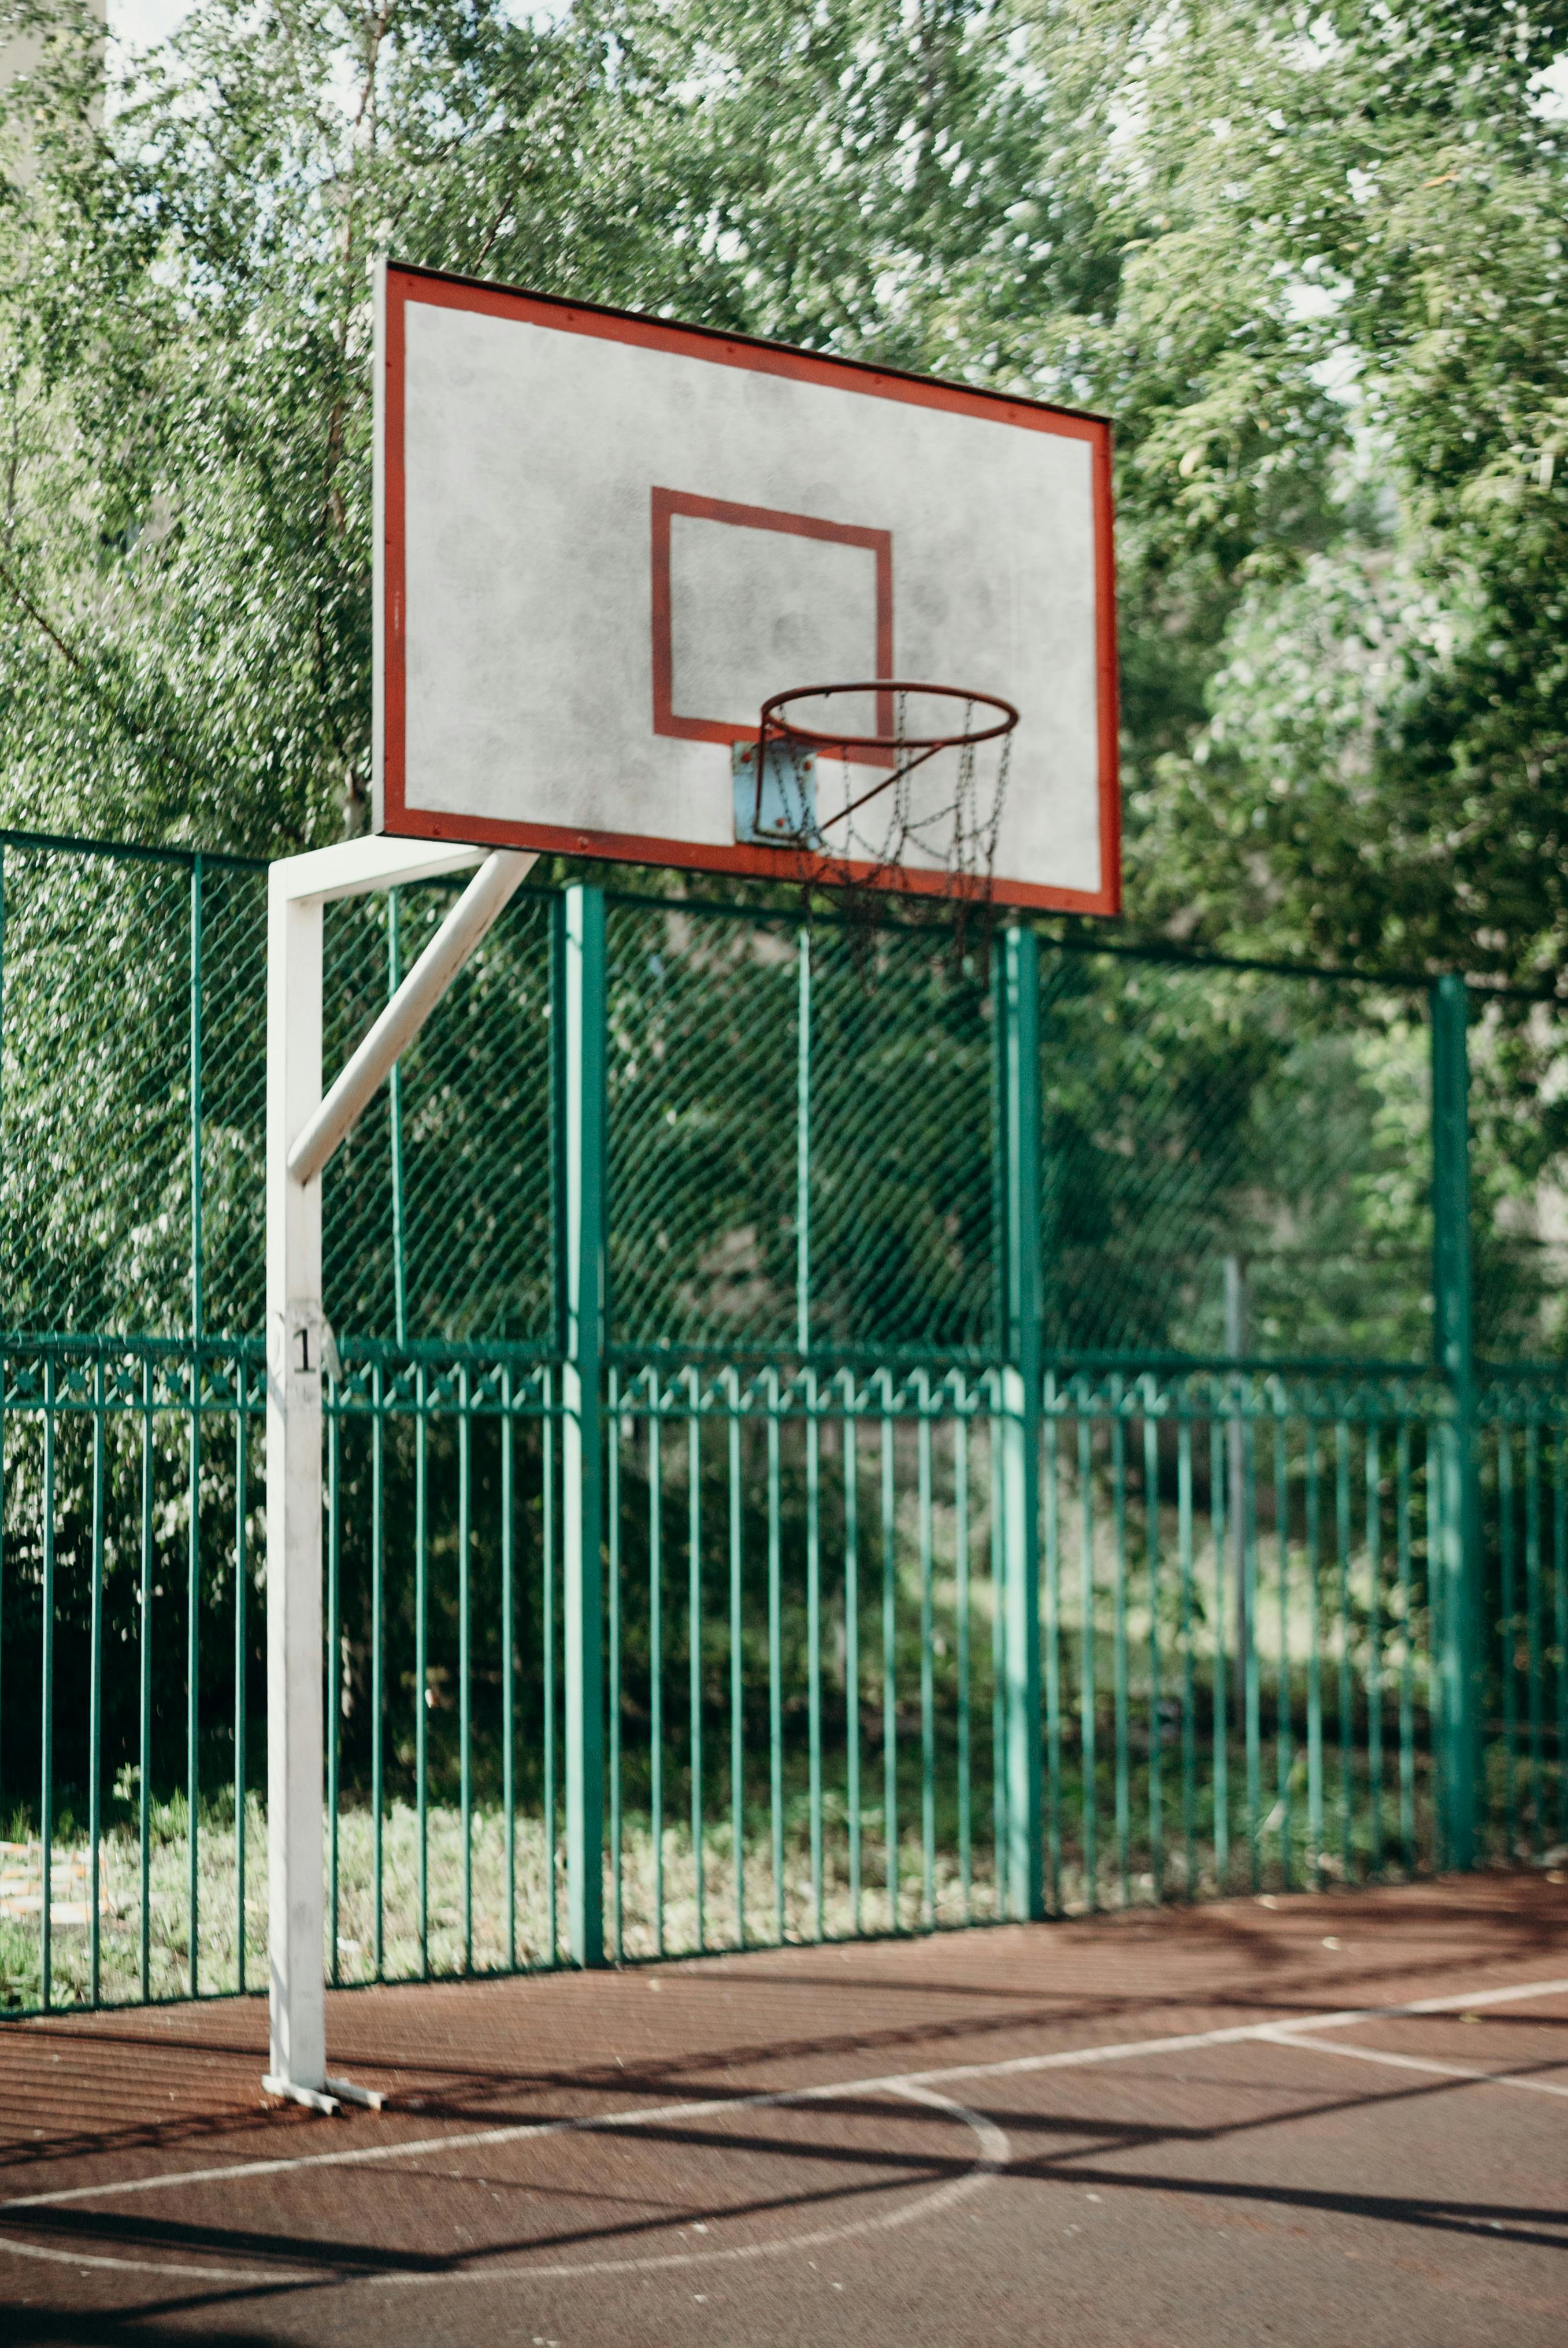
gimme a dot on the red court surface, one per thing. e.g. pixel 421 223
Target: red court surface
pixel 1222 2125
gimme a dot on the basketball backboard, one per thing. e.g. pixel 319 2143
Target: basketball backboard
pixel 604 541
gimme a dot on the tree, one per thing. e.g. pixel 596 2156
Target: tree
pixel 1312 269
pixel 1380 775
pixel 185 320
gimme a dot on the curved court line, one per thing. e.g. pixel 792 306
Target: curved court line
pixel 9 2244
pixel 995 2153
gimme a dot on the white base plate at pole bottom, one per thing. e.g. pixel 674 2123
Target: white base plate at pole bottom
pixel 327 2098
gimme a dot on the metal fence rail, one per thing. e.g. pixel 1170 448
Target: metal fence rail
pixel 984 1522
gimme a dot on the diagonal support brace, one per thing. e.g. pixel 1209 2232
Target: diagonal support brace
pixel 367 1069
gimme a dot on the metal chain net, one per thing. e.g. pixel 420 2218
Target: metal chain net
pixel 936 812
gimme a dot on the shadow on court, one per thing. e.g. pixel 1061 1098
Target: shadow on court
pixel 1198 2125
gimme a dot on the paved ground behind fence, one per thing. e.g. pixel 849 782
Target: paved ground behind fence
pixel 1224 2125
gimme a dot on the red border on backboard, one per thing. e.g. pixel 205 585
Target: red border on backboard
pixel 876 542
pixel 404 285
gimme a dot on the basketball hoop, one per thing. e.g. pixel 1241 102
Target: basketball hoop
pixel 868 831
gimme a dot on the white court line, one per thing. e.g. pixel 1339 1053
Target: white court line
pixel 85 2259
pixel 899 2083
pixel 1414 2062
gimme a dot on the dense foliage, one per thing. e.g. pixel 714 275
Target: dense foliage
pixel 1311 262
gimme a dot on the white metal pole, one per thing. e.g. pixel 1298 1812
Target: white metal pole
pixel 299 1349
pixel 296 1334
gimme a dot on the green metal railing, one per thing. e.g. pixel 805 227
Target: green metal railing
pixel 135 1466
pixel 808 1649
pixel 805 1648
pixel 789 1475
pixel 443 1586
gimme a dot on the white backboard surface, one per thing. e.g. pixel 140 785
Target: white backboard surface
pixel 602 541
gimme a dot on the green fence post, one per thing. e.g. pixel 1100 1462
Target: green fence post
pixel 1457 1562
pixel 4 1323
pixel 1021 1134
pixel 197 909
pixel 193 1562
pixel 395 1113
pixel 803 1150
pixel 583 1095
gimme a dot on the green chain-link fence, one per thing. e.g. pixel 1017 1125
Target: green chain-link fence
pixel 1248 1632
